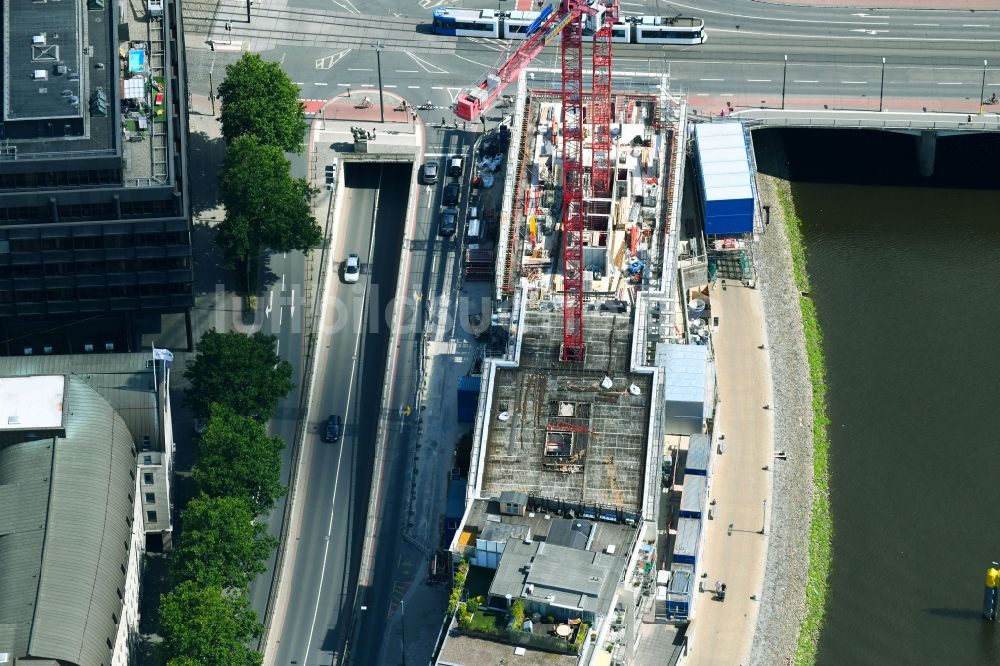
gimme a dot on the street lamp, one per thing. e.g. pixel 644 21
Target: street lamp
pixel 881 87
pixel 402 630
pixel 784 77
pixel 982 92
pixel 763 518
pixel 378 58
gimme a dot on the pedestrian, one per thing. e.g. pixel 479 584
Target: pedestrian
pixel 968 119
pixel 414 116
pixel 373 134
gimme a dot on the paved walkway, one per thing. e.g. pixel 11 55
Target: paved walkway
pixel 953 5
pixel 722 632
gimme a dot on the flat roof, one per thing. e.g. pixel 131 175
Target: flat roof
pixel 563 435
pixel 32 403
pixel 694 496
pixel 559 576
pixel 686 542
pixel 699 452
pixel 724 161
pixel 686 376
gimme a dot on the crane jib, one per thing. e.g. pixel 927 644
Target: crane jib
pixel 558 27
pixel 538 20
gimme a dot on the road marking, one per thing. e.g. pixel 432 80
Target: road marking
pixel 701 94
pixel 725 94
pixel 425 65
pixel 344 85
pixel 711 79
pixel 870 16
pixel 298 83
pixel 472 61
pixel 329 61
pixel 367 85
pixel 928 25
pixel 949 83
pixel 413 87
pixel 407 71
pixel 860 83
pixel 349 6
pixel 282 283
pixel 359 69
pixel 389 85
pixel 780 35
pixel 758 80
pixel 319 83
pixel 437 87
pixel 797 81
pixel 867 31
pixel 453 93
pixel 974 25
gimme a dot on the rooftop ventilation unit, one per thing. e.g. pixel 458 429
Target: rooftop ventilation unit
pixel 38 40
pixel 14 419
pixel 40 75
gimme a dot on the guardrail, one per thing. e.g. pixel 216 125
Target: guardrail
pixel 827 119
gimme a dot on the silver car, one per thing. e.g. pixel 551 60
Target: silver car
pixel 352 268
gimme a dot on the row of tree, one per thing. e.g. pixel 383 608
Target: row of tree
pixel 266 208
pixel 235 382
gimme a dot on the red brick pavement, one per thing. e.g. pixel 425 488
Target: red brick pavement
pixel 343 108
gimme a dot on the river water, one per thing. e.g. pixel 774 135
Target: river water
pixel 906 280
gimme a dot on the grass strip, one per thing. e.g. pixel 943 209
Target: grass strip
pixel 821 521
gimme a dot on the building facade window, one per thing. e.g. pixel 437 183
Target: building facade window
pixel 147 478
pixel 151 516
pixel 150 498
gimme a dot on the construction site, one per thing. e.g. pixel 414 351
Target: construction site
pixel 605 372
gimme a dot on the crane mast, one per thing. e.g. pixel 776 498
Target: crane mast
pixel 570 20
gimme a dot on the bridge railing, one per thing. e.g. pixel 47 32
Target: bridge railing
pixel 825 119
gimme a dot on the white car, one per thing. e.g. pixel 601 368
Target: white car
pixel 352 268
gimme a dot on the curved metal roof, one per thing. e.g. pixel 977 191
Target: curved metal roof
pixel 65 533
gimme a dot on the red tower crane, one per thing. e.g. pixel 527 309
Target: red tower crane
pixel 570 19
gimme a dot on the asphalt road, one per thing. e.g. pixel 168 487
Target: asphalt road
pixel 352 357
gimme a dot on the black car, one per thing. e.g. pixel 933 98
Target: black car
pixel 455 166
pixel 451 195
pixel 332 432
pixel 448 223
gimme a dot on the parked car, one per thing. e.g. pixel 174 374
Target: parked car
pixel 429 174
pixel 451 195
pixel 333 427
pixel 352 268
pixel 456 165
pixel 448 223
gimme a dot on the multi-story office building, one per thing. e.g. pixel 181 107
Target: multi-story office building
pixel 95 234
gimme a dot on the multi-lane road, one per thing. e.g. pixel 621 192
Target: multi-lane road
pixel 759 51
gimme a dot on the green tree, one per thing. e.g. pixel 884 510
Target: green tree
pixel 241 372
pixel 209 627
pixel 221 543
pixel 237 458
pixel 517 612
pixel 266 208
pixel 259 99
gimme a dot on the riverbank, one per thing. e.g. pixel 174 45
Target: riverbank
pixel 798 557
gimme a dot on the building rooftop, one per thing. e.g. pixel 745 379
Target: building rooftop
pixel 557 430
pixel 486 521
pixel 31 403
pixel 65 510
pixel 461 650
pixel 563 577
pixel 47 83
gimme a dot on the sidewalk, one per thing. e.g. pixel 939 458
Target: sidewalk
pixel 722 631
pixel 718 105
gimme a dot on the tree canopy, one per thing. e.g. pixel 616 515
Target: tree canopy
pixel 266 208
pixel 221 543
pixel 209 627
pixel 241 372
pixel 237 458
pixel 259 99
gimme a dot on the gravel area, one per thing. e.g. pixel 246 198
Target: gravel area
pixel 783 602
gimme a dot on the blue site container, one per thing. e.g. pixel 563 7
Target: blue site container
pixel 468 398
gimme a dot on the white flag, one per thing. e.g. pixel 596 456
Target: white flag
pixel 163 355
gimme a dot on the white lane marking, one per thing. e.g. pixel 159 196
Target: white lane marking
pixel 797 81
pixel 701 94
pixel 437 87
pixel 949 83
pixel 701 10
pixel 425 65
pixel 277 345
pixel 870 16
pixel 298 83
pixel 407 71
pixel 319 83
pixel 928 25
pixel 725 94
pixel 632 4
pixel 344 85
pixel 367 85
pixel 413 87
pixel 329 61
pixel 359 69
pixel 786 35
pixel 860 83
pixel 711 79
pixel 758 80
pixel 867 31
pixel 282 283
pixel 270 301
pixel 389 85
pixel 472 61
pixel 281 313
pixel 975 25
